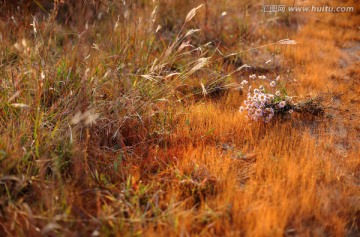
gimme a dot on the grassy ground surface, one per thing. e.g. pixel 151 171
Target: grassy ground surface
pixel 122 119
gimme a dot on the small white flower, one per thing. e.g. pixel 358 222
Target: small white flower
pixel 291 111
pixel 262 97
pixel 277 78
pixel 277 93
pixel 253 76
pixel 262 77
pixel 273 83
pixel 241 109
pixel 244 82
pixel 262 88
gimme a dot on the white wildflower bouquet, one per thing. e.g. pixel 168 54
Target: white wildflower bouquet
pixel 263 103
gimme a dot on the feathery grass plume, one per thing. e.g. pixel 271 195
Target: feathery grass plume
pixel 89 117
pixel 201 62
pixel 243 66
pixel 20 105
pixel 153 15
pixel 184 45
pixel 171 75
pixel 148 77
pixel 14 96
pixel 287 41
pixel 192 31
pixel 158 28
pixel 281 42
pixel 117 22
pixel 33 24
pixel 192 13
pixel 203 89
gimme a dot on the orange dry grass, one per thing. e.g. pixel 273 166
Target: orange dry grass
pixel 288 180
pixel 215 174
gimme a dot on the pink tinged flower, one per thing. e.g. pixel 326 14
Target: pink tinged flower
pixel 273 83
pixel 282 104
pixel 291 111
pixel 258 112
pixel 269 117
pixel 277 93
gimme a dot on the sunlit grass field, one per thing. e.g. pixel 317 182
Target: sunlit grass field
pixel 124 118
